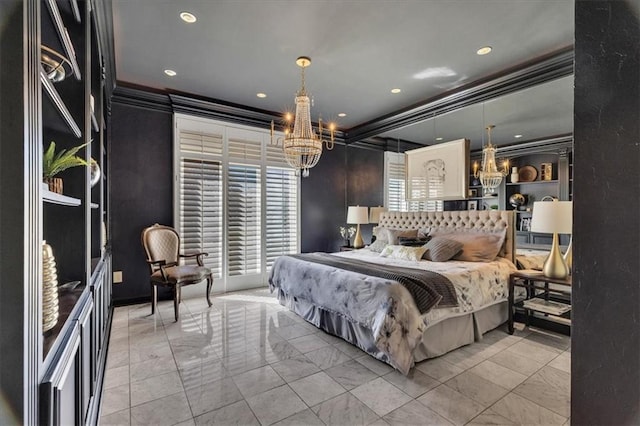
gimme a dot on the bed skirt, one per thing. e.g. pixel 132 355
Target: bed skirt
pixel 438 339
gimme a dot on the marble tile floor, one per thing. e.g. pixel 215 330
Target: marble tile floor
pixel 249 361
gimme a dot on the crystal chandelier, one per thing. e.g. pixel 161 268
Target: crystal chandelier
pixel 489 175
pixel 301 146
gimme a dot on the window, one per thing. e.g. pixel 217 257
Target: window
pixel 236 198
pixel 395 187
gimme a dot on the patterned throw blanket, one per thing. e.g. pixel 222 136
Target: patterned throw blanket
pixel 429 289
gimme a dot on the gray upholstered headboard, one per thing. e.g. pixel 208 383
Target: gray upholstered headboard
pixel 467 219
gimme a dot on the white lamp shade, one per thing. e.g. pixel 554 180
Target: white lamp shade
pixel 374 214
pixel 552 217
pixel 357 215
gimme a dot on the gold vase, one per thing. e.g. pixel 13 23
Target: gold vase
pixel 49 288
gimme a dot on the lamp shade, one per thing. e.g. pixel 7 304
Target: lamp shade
pixel 374 214
pixel 357 215
pixel 552 217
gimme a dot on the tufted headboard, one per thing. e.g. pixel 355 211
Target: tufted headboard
pixel 467 219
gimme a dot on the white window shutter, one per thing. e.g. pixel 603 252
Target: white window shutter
pixel 281 213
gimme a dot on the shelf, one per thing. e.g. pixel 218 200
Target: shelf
pixel 94 122
pixel 94 205
pixel 63 34
pixel 532 183
pixel 63 200
pixel 546 306
pixel 59 104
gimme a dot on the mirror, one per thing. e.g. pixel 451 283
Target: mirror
pixel 534 113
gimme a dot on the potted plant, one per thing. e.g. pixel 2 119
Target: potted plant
pixel 55 162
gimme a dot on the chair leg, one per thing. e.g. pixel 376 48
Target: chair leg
pixel 209 286
pixel 176 301
pixel 154 298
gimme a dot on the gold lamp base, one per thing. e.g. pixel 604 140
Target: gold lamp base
pixel 358 242
pixel 555 266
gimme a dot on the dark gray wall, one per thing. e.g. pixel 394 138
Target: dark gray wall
pixel 605 348
pixel 365 182
pixel 140 175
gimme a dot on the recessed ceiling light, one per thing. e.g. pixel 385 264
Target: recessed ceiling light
pixel 484 50
pixel 396 90
pixel 517 136
pixel 439 139
pixel 170 73
pixel 342 114
pixel 261 95
pixel 187 17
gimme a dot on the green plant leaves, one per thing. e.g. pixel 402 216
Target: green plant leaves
pixel 54 163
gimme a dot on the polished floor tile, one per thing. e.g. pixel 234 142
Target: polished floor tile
pixel 247 360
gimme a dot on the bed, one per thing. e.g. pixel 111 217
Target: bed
pixel 381 316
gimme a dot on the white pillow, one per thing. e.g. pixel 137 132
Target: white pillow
pixel 377 246
pixel 403 252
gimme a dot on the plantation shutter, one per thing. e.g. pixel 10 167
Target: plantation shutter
pixel 395 182
pixel 200 197
pixel 281 213
pixel 244 203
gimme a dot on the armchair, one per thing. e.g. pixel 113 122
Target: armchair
pixel 162 244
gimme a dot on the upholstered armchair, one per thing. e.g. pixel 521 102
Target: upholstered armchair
pixel 162 244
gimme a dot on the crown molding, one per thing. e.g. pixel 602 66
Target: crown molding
pixel 556 65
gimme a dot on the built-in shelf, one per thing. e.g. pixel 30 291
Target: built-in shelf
pixel 94 205
pixel 59 104
pixel 94 122
pixel 63 34
pixel 533 182
pixel 54 198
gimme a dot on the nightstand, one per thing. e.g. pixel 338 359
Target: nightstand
pixel 346 248
pixel 542 301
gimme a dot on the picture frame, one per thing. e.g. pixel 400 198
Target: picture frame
pixel 525 224
pixel 438 172
pixel 472 205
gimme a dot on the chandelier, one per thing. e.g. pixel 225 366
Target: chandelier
pixel 489 175
pixel 301 146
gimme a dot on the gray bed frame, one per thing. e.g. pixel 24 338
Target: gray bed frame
pixel 454 332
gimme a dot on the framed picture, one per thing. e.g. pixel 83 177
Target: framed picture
pixel 472 205
pixel 438 172
pixel 525 224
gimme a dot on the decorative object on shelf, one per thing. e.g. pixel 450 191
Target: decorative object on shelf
pixel 346 234
pixel 514 175
pixel 554 217
pixel 473 193
pixel 54 163
pixel 375 212
pixel 438 172
pixel 472 205
pixel 546 171
pixel 517 200
pixel 525 224
pixel 53 64
pixel 358 216
pixel 494 207
pixel 489 175
pixel 49 289
pixel 301 146
pixel 95 173
pixel 527 174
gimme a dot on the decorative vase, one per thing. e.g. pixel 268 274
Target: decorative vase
pixel 515 178
pixel 49 289
pixel 55 184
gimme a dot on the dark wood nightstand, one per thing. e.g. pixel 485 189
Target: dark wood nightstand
pixel 552 303
pixel 346 248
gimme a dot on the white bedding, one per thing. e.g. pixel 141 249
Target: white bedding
pixel 477 284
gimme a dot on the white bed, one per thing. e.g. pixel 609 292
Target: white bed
pixel 481 289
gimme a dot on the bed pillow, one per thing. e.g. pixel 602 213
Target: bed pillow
pixel 380 233
pixel 478 246
pixel 441 249
pixel 394 234
pixel 413 242
pixel 377 245
pixel 403 252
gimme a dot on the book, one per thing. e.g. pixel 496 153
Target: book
pixel 547 306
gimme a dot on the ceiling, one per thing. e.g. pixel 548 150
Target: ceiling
pixel 360 50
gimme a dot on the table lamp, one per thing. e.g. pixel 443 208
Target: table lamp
pixel 358 216
pixel 553 217
pixel 375 212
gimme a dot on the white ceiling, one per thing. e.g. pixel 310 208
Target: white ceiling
pixel 360 50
